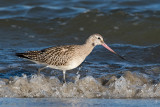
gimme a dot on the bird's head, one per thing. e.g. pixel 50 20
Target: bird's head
pixel 97 39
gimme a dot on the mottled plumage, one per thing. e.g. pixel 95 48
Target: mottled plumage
pixel 65 57
pixel 57 56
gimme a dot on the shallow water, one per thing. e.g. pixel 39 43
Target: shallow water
pixel 70 102
pixel 131 28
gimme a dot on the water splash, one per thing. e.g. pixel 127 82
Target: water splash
pixel 130 85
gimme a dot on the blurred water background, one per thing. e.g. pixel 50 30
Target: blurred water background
pixel 130 27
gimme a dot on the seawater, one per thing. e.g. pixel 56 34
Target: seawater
pixel 131 28
pixel 130 85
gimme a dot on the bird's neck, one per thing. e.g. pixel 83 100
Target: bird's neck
pixel 88 47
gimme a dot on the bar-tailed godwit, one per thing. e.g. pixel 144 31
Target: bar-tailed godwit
pixel 65 57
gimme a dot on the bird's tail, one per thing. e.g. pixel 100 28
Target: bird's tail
pixel 33 55
pixel 22 55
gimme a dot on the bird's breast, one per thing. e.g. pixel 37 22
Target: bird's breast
pixel 75 62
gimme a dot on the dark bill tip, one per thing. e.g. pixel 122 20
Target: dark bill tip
pixel 121 57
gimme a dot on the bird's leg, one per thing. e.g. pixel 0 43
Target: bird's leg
pixel 79 68
pixel 64 79
pixel 40 69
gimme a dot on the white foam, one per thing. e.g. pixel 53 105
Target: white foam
pixel 127 86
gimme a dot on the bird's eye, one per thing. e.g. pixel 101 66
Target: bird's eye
pixel 99 38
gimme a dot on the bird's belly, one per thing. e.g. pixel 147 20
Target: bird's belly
pixel 75 63
pixel 70 65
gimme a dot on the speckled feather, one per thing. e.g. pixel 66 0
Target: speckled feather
pixel 57 56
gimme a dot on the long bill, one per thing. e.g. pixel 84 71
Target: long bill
pixel 107 47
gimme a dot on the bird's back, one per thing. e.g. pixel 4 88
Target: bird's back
pixel 57 56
